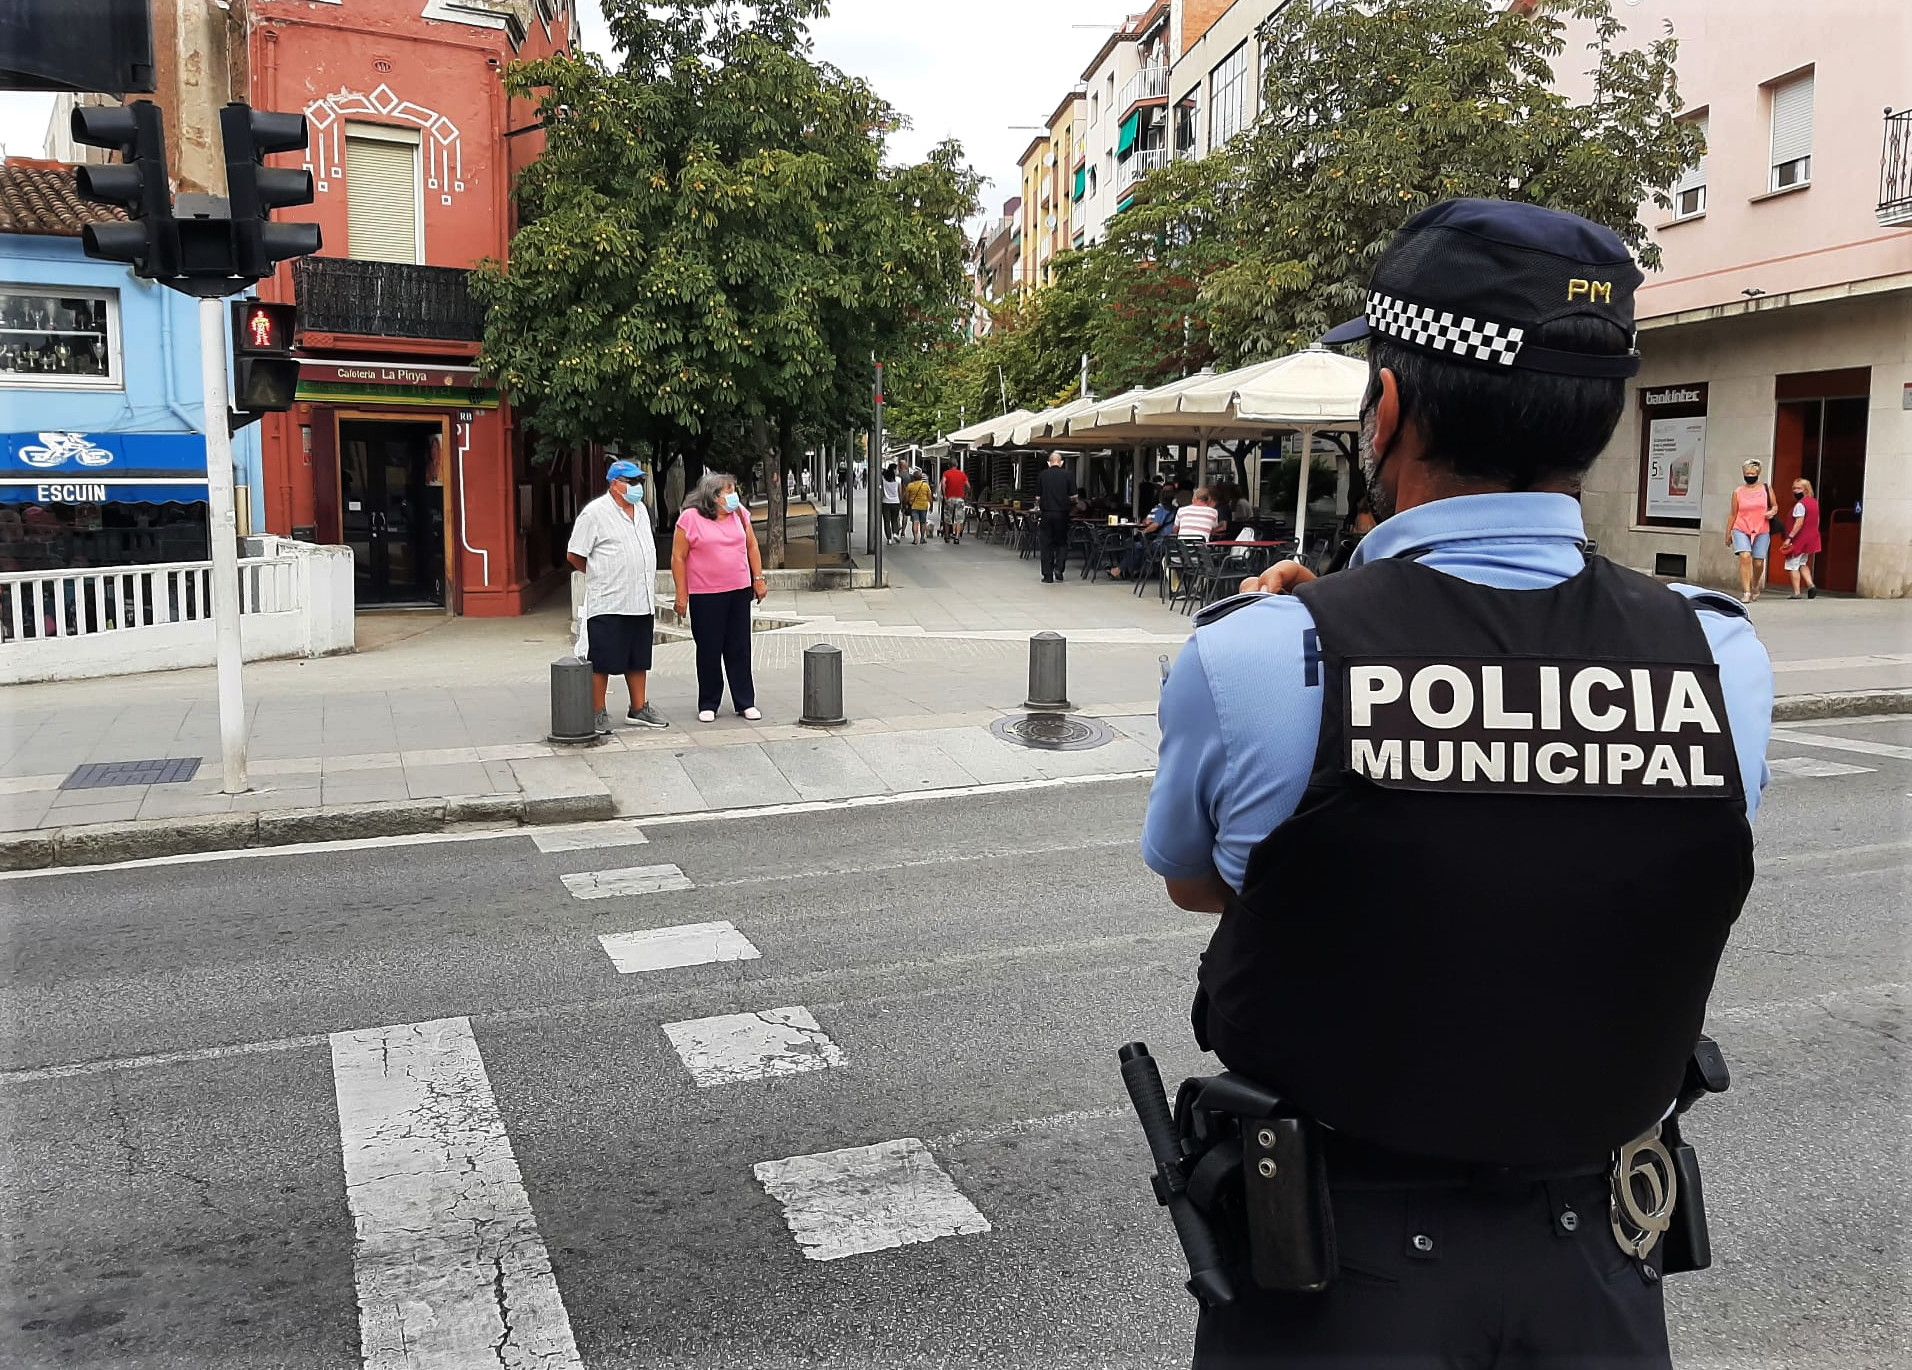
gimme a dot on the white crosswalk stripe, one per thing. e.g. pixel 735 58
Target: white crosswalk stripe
pixel 1843 744
pixel 621 832
pixel 1812 767
pixel 868 1198
pixel 691 944
pixel 753 1046
pixel 450 1269
pixel 629 880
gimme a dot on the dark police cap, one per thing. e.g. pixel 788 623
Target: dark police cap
pixel 1474 280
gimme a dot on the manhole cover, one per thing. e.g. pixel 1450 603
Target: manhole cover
pixel 1052 732
pixel 106 775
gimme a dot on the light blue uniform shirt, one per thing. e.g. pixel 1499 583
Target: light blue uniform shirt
pixel 1241 712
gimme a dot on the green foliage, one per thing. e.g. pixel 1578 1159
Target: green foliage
pixel 1372 113
pixel 712 238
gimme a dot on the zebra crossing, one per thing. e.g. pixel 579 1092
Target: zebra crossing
pixel 449 1265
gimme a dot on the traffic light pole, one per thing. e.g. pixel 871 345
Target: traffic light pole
pixel 223 532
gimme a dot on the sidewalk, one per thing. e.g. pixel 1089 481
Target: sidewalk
pixel 437 721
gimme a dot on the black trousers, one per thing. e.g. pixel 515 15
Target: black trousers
pixel 892 520
pixel 720 625
pixel 1053 537
pixel 1460 1278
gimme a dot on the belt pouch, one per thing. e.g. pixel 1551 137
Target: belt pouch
pixel 1688 1244
pixel 1289 1220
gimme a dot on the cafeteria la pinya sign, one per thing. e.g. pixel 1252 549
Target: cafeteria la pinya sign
pixel 417 385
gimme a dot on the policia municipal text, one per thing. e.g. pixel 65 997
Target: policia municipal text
pixel 1475 813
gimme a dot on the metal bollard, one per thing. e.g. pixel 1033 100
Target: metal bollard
pixel 823 687
pixel 572 717
pixel 1048 674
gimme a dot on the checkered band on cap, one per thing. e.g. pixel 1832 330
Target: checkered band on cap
pixel 1439 330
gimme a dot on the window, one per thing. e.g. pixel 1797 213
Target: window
pixel 1188 124
pixel 384 204
pixel 1095 107
pixel 1792 132
pixel 1689 192
pixel 1228 93
pixel 66 340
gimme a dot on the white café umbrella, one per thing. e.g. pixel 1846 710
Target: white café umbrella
pixel 982 434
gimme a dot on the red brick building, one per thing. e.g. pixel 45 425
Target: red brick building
pixel 396 448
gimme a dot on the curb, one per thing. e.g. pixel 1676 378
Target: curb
pixel 1844 704
pixel 104 843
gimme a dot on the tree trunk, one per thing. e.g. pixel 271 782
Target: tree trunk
pixel 768 459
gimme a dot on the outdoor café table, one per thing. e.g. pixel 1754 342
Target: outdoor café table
pixel 1261 554
pixel 1106 539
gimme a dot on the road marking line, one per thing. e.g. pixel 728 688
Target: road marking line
pixel 692 944
pixel 752 1046
pixel 620 832
pixel 1852 721
pixel 1813 767
pixel 493 834
pixel 627 880
pixel 450 1269
pixel 868 1198
pixel 1843 744
pixel 1842 663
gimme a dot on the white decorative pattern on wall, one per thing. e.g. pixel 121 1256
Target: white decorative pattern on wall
pixel 325 150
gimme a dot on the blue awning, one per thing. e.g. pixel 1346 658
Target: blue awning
pixel 99 468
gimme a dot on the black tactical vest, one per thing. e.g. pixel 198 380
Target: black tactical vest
pixel 1490 927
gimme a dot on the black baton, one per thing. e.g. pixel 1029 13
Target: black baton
pixel 1205 1278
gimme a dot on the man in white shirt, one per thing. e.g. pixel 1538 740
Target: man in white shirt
pixel 611 545
pixel 1196 521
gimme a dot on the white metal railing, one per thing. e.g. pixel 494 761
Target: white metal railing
pixel 1142 161
pixel 89 601
pixel 1150 83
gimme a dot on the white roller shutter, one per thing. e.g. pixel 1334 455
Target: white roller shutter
pixel 381 178
pixel 1792 120
pixel 1694 176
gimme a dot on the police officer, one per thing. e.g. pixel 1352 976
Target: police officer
pixel 1475 814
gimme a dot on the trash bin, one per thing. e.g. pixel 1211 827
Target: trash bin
pixel 833 535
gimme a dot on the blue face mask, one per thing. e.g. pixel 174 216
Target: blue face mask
pixel 733 503
pixel 633 494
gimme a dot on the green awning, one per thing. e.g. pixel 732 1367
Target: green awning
pixel 1131 130
pixel 1125 204
pixel 1082 182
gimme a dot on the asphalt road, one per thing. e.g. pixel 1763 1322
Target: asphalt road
pixel 180 1123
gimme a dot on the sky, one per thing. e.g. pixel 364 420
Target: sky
pixel 968 69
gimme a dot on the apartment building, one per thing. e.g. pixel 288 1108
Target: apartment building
pixel 1125 129
pixel 995 264
pixel 1779 327
pixel 1215 80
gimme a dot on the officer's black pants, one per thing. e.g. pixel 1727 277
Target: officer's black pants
pixel 1462 1278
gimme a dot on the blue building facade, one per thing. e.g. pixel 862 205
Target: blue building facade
pixel 102 421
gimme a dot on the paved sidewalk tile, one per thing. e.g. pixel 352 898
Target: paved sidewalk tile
pixel 364 787
pixel 648 783
pixel 824 768
pixel 116 812
pixel 988 758
pixel 912 761
pixel 738 777
pixel 430 782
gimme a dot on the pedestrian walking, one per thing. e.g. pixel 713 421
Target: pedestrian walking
pixel 1055 497
pixel 955 502
pixel 1750 532
pixel 1802 540
pixel 612 546
pixel 1433 798
pixel 918 495
pixel 892 504
pixel 717 569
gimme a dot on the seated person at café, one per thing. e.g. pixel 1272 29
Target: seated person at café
pixel 1196 520
pixel 1159 524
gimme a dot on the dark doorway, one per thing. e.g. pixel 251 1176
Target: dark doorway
pixel 392 509
pixel 1820 433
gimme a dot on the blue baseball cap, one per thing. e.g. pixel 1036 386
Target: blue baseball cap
pixel 1472 280
pixel 623 470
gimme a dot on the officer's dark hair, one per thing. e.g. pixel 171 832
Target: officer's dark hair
pixel 1505 426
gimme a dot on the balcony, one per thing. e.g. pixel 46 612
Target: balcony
pixel 1150 83
pixel 1140 163
pixel 386 299
pixel 1895 171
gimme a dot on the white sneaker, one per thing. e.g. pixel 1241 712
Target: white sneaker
pixel 706 715
pixel 754 714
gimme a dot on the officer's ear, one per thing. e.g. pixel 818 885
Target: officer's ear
pixel 1387 413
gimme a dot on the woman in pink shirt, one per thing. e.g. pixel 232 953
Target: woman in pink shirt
pixel 1802 539
pixel 1750 534
pixel 718 572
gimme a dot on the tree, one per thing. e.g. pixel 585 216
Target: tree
pixel 712 245
pixel 1373 112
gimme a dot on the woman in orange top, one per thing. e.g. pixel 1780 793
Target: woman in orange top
pixel 1750 534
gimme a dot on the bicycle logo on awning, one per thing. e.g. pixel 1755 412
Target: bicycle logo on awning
pixel 57 449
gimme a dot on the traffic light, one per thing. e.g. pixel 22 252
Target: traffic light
pixel 254 190
pixel 265 374
pixel 138 185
